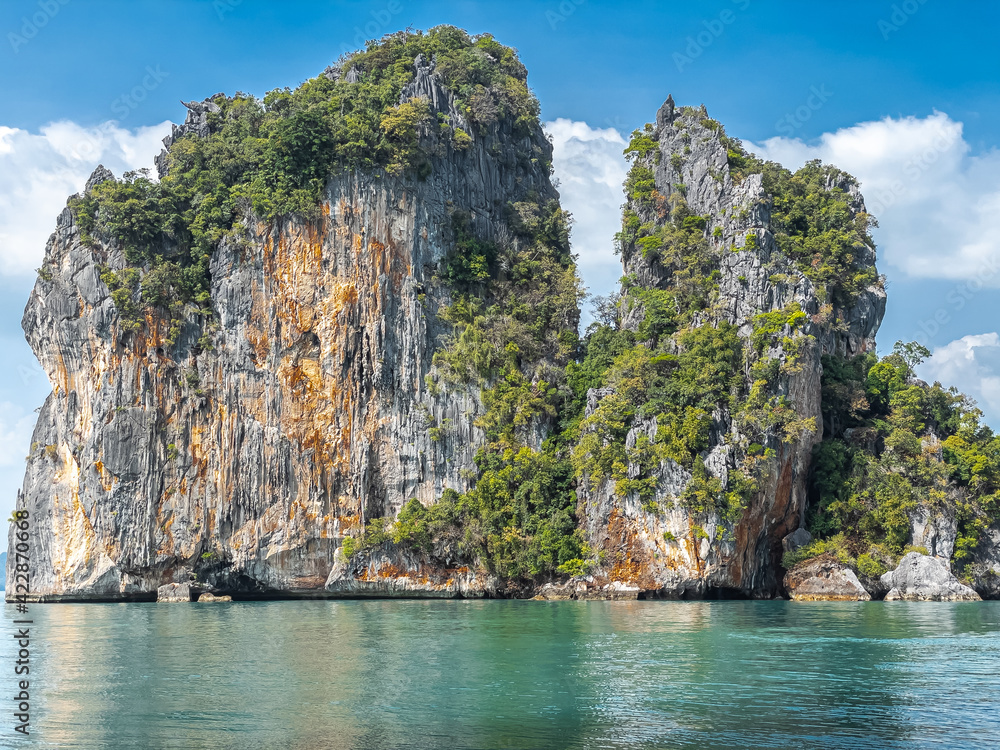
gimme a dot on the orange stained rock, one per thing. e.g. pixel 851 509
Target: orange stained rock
pixel 259 343
pixel 106 478
pixel 632 561
pixel 81 532
pixel 692 545
pixel 197 451
pixel 345 294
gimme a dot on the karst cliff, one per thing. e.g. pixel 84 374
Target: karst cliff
pixel 333 349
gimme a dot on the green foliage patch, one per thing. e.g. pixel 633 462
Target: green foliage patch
pixel 910 445
pixel 813 223
pixel 272 158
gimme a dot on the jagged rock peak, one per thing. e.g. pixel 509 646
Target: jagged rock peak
pixel 665 114
pixel 99 175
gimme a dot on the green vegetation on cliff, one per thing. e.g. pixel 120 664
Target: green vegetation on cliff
pixel 895 444
pixel 676 364
pixel 813 224
pixel 514 312
pixel 514 336
pixel 273 157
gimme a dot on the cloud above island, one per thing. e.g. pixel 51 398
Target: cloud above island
pixel 971 364
pixel 590 169
pixel 39 170
pixel 938 203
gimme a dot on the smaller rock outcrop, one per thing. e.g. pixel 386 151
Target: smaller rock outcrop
pixel 388 570
pixel 174 592
pixel 587 587
pixel 195 122
pixel 99 175
pixel 921 578
pixel 798 538
pixel 209 597
pixel 824 578
pixel 985 568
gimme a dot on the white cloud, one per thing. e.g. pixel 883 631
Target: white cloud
pixel 971 364
pixel 938 205
pixel 39 170
pixel 590 168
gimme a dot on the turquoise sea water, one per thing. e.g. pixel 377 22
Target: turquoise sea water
pixel 509 674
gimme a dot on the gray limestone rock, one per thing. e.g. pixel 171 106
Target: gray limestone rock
pixel 389 571
pixel 985 567
pixel 934 529
pixel 99 175
pixel 243 453
pixel 923 578
pixel 824 578
pixel 196 122
pixel 174 592
pixel 659 546
pixel 798 538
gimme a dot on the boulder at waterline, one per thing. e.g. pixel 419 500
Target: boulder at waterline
pixel 824 578
pixel 174 592
pixel 920 578
pixel 208 597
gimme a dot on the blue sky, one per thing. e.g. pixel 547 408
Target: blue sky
pixel 904 94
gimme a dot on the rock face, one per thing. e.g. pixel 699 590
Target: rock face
pixel 390 571
pixel 934 529
pixel 583 588
pixel 243 452
pixel 985 568
pixel 668 550
pixel 174 592
pixel 798 538
pixel 824 579
pixel 920 578
pixel 246 451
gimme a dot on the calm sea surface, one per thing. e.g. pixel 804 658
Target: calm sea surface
pixel 505 674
